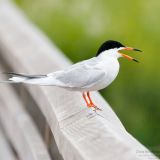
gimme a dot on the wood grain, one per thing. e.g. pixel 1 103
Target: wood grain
pixel 6 152
pixel 19 127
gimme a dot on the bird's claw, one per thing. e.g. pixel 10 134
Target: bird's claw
pixel 95 107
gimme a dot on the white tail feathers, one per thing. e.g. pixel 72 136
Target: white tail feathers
pixel 43 80
pixel 22 78
pixel 17 79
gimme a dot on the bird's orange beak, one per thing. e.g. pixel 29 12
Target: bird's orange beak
pixel 130 49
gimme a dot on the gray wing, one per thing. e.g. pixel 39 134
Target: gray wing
pixel 80 76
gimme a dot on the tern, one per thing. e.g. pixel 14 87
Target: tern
pixel 89 75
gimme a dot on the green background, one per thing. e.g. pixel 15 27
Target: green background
pixel 78 27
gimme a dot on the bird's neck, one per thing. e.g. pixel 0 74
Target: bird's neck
pixel 109 54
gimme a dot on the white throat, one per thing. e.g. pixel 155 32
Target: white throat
pixel 111 53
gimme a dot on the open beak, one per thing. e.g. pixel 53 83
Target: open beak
pixel 130 49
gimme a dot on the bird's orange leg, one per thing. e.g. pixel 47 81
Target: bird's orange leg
pixel 85 98
pixel 91 104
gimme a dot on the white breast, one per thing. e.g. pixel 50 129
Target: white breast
pixel 111 68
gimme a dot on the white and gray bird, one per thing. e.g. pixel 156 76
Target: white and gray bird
pixel 88 75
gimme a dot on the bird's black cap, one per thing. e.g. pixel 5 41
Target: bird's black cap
pixel 110 44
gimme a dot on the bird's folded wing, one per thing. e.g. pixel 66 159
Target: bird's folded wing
pixel 80 77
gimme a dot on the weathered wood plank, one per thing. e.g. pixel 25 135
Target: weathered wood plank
pixel 78 137
pixel 19 127
pixel 6 152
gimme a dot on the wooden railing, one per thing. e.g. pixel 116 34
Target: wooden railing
pixel 43 123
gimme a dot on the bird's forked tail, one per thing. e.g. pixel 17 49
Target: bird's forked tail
pixel 20 78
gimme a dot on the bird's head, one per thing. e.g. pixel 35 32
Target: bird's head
pixel 113 48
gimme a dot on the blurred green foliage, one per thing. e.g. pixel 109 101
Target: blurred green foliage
pixel 79 27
